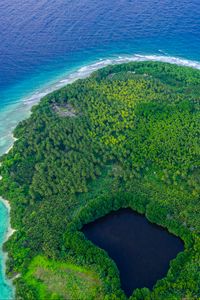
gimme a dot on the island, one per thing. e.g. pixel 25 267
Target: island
pixel 125 138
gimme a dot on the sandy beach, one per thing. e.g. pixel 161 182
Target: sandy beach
pixel 10 230
pixel 14 140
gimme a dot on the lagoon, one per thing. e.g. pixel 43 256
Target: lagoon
pixel 141 250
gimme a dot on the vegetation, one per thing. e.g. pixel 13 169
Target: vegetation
pixel 127 136
pixel 61 281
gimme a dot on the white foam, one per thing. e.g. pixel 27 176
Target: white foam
pixel 87 70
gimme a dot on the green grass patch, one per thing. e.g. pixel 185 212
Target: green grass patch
pixel 56 280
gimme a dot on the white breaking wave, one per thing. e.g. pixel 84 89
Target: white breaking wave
pixel 19 111
pixel 87 70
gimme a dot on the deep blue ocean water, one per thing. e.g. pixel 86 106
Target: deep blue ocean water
pixel 43 42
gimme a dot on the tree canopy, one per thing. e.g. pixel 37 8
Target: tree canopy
pixel 127 136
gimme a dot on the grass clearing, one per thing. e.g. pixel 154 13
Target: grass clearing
pixel 56 280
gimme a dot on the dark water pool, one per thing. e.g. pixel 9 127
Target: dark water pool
pixel 141 250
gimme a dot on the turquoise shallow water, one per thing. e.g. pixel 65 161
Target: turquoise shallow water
pixel 47 44
pixel 6 291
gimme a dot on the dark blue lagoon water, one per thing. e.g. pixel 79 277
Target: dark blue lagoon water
pixel 141 250
pixel 46 44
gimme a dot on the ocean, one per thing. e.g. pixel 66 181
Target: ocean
pixel 47 44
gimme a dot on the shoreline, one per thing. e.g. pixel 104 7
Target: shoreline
pixel 80 73
pixel 7 151
pixel 13 113
pixel 9 232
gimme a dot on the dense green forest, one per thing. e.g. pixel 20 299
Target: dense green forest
pixel 127 136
